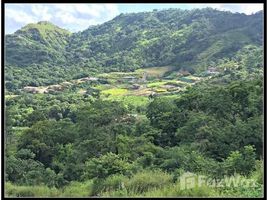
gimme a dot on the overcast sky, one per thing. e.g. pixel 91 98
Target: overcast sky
pixel 77 17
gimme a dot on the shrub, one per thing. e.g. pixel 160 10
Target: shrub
pixel 241 162
pixel 174 190
pixel 145 180
pixel 258 173
pixel 243 191
pixel 112 186
pixel 78 189
pixel 115 182
pixel 29 191
pixel 105 166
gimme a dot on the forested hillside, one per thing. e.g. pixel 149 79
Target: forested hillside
pixel 188 39
pixel 36 44
pixel 129 107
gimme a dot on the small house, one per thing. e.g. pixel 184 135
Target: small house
pixel 31 89
pixel 184 72
pixel 135 86
pixel 131 79
pixel 212 70
pixel 55 87
pixel 89 79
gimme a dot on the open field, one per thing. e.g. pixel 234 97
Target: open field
pixel 142 82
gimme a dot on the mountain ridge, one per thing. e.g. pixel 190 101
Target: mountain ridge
pixel 184 38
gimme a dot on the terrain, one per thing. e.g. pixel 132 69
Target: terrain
pixel 131 106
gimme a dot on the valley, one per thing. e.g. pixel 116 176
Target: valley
pixel 142 82
pixel 132 106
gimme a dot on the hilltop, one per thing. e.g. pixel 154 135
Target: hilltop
pixel 36 43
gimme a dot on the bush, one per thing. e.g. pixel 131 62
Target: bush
pixel 78 189
pixel 29 191
pixel 114 182
pixel 241 162
pixel 243 191
pixel 112 186
pixel 105 166
pixel 258 173
pixel 146 180
pixel 174 191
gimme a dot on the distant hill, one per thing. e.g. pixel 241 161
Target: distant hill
pixel 168 37
pixel 192 40
pixel 37 43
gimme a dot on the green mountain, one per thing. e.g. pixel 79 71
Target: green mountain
pixel 168 37
pixel 192 40
pixel 130 41
pixel 36 43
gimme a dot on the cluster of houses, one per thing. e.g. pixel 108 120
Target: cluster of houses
pixel 133 80
pixel 54 88
pixel 44 90
pixel 89 79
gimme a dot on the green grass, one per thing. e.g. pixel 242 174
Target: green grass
pixel 115 91
pixel 160 90
pixel 103 87
pixel 137 185
pixel 146 180
pixel 30 191
pixel 173 190
pixel 131 100
pixel 146 183
pixel 78 189
pixel 156 84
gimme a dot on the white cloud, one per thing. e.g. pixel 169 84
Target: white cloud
pixel 41 12
pixel 241 8
pixel 19 16
pixel 77 17
pixel 74 17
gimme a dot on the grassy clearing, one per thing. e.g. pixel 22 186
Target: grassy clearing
pixel 156 84
pixel 142 92
pixel 160 90
pixel 115 92
pixel 156 71
pixel 131 100
pixel 103 87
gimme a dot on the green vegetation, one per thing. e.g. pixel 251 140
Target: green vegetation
pixel 115 91
pixel 143 184
pixel 192 40
pixel 164 95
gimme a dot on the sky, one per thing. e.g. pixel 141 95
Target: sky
pixel 78 17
